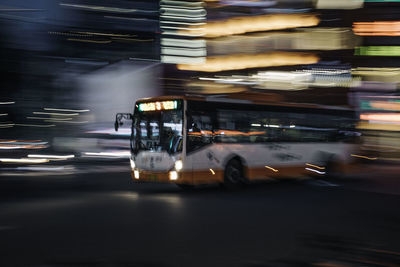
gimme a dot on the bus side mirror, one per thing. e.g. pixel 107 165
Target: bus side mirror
pixel 119 118
pixel 116 125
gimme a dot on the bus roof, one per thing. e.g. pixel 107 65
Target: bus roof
pixel 268 99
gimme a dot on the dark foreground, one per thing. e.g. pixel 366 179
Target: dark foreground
pixel 103 219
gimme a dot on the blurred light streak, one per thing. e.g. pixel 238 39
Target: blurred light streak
pixel 34 125
pixel 378 74
pixel 212 171
pixel 132 39
pixel 3 114
pixel 384 117
pixel 125 18
pixel 111 131
pixel 183 43
pixel 363 157
pixel 272 169
pixel 377 51
pixel 53 119
pixel 20 9
pixel 64 121
pixel 195 52
pixel 193 12
pixel 377 28
pixel 188 34
pixel 183 23
pixel 248 3
pixel 51 156
pixel 56 114
pixel 89 41
pixel 11 147
pixel 287 10
pixel 69 34
pixel 315 166
pixel 188 18
pixel 7 125
pixel 108 34
pixel 241 25
pixel 316 171
pixel 392 105
pixel 18 144
pixel 182 3
pixel 317 38
pixel 60 168
pixel 119 154
pixel 105 9
pixel 67 110
pixel 236 62
pixel 339 4
pixel 182 60
pixel 23 160
pixel 7 103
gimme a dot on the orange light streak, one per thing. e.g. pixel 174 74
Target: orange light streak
pixel 377 28
pixel 388 117
pixel 245 61
pixel 241 25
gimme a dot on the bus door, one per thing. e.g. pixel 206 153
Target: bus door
pixel 199 147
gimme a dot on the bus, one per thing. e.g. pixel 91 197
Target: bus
pixel 196 140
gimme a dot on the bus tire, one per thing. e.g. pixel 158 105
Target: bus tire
pixel 233 174
pixel 333 168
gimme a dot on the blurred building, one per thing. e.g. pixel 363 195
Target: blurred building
pixel 302 50
pixel 70 65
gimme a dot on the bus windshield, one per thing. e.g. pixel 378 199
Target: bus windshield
pixel 157 130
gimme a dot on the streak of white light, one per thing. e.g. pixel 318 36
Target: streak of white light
pixel 56 114
pixel 67 110
pixel 51 156
pixel 109 154
pixel 65 121
pixel 61 168
pixel 35 125
pixel 312 170
pixel 23 160
pixel 100 8
pixel 54 119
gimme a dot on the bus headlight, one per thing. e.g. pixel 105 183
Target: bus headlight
pixel 133 165
pixel 173 175
pixel 136 174
pixel 178 165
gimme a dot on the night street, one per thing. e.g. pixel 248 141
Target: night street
pixel 104 219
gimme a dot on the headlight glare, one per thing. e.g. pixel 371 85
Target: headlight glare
pixel 133 165
pixel 178 165
pixel 136 174
pixel 173 175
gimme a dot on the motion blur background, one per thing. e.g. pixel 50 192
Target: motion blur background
pixel 69 66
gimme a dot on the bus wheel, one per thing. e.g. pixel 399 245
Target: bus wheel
pixel 233 176
pixel 333 169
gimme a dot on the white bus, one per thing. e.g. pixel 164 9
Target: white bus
pixel 203 140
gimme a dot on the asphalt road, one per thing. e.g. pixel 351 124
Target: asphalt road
pixel 104 219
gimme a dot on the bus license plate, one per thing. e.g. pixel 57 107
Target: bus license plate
pixel 153 177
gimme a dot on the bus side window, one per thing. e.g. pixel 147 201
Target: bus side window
pixel 200 131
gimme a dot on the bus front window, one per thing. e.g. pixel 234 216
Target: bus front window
pixel 158 131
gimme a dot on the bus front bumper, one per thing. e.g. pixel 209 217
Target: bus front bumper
pixel 160 177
